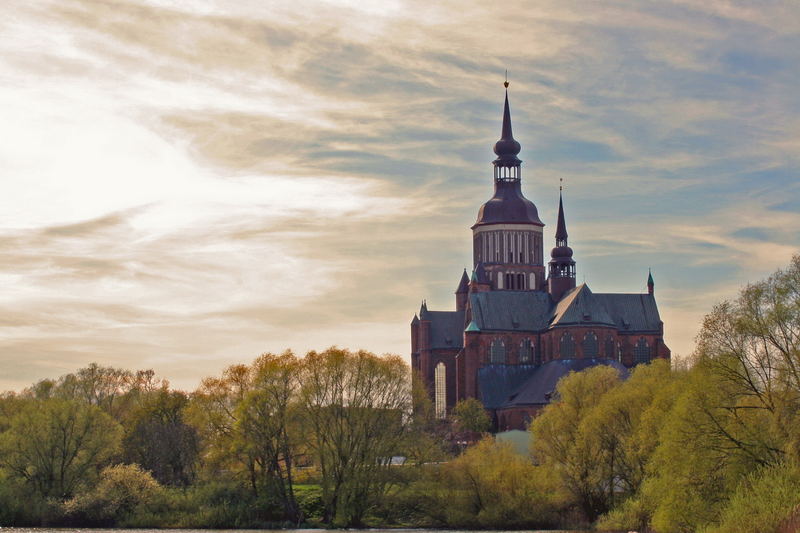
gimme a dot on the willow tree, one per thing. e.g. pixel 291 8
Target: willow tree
pixel 247 418
pixel 357 410
pixel 752 347
pixel 58 446
pixel 266 425
pixel 564 443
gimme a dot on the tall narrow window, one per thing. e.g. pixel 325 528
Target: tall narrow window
pixel 525 351
pixel 590 345
pixel 440 390
pixel 567 346
pixel 497 352
pixel 641 352
pixel 610 347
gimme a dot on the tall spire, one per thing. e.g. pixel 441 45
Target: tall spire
pixel 561 229
pixel 507 163
pixel 506 133
pixel 562 266
pixel 650 283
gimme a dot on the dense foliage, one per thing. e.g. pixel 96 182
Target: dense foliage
pixel 343 438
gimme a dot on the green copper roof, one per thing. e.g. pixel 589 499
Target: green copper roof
pixel 473 326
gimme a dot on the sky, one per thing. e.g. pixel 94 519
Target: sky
pixel 185 185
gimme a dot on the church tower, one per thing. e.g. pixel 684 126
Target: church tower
pixel 507 237
pixel 562 266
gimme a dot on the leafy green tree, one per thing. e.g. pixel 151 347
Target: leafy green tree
pixel 266 423
pixel 159 439
pixel 425 436
pixel 57 446
pixel 562 444
pixel 357 407
pixel 492 486
pixel 762 501
pixel 470 415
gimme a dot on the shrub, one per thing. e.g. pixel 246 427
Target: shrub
pixel 762 501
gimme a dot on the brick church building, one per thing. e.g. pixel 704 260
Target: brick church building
pixel 518 325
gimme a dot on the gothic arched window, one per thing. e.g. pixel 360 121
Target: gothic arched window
pixel 641 352
pixel 567 347
pixel 497 352
pixel 590 345
pixel 610 347
pixel 525 351
pixel 440 390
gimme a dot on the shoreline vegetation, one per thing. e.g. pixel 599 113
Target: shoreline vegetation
pixel 340 439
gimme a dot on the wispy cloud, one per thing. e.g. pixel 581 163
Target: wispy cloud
pixel 184 185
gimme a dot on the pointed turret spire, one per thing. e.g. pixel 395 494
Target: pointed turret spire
pixel 650 283
pixel 463 285
pixel 561 229
pixel 423 311
pixel 562 266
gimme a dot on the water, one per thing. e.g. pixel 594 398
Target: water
pixel 85 530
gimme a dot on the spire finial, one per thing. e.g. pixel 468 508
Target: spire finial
pixel 505 83
pixel 560 185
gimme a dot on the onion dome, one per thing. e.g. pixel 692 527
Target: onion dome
pixel 508 205
pixel 560 252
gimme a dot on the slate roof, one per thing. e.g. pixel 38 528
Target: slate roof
pixel 495 382
pixel 535 311
pixel 447 329
pixel 542 381
pixel 580 306
pixel 631 312
pixel 511 310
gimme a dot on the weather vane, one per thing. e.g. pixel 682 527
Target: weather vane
pixel 560 184
pixel 505 83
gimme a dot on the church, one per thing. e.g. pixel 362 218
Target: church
pixel 518 325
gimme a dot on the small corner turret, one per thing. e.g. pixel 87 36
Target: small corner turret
pixel 462 292
pixel 561 277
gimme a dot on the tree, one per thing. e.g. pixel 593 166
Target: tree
pixel 562 443
pixel 357 407
pixel 492 486
pixel 470 415
pixel 247 419
pixel 264 424
pixel 752 345
pixel 159 439
pixel 57 446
